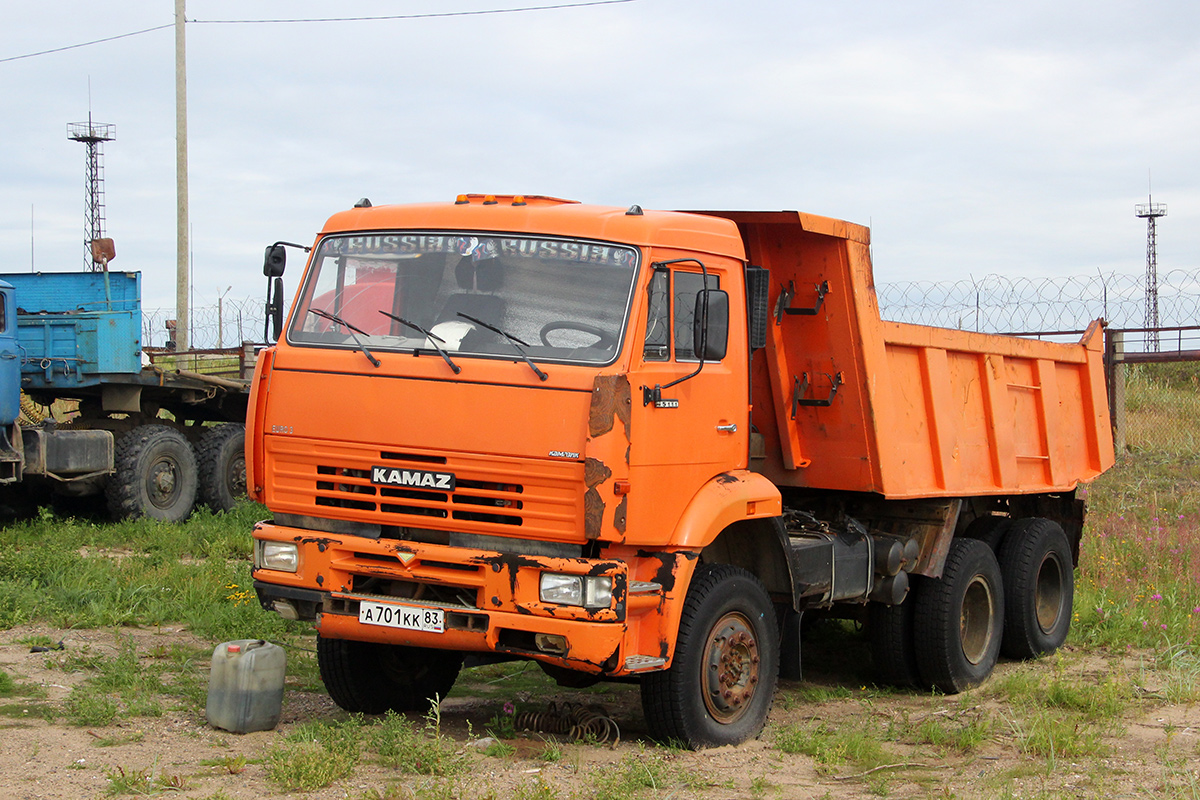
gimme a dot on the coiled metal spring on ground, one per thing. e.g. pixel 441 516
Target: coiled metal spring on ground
pixel 579 722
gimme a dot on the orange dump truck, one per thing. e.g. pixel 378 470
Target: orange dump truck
pixel 641 445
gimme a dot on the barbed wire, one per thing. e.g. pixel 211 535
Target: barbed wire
pixel 997 304
pixel 990 304
pixel 227 324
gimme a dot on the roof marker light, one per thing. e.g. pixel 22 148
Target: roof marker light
pixel 461 200
pixel 519 200
pixel 490 200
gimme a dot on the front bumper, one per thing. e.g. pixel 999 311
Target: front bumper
pixel 490 600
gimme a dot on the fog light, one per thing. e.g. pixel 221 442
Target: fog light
pixel 282 556
pixel 549 643
pixel 286 609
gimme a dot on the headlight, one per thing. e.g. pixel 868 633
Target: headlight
pixel 575 590
pixel 283 556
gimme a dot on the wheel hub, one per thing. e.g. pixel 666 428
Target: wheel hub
pixel 1048 600
pixel 731 668
pixel 977 620
pixel 164 477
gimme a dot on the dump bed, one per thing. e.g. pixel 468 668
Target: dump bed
pixel 845 401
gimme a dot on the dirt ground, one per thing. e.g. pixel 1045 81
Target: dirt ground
pixel 1154 752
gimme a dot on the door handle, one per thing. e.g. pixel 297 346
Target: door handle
pixel 730 428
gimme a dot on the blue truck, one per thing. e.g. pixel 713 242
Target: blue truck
pixel 98 418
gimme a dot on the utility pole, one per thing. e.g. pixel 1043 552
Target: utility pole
pixel 182 313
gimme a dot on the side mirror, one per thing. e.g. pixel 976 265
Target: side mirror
pixel 711 343
pixel 275 260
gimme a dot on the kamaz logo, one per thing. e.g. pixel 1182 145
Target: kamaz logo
pixel 420 479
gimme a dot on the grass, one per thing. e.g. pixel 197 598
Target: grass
pixel 1134 647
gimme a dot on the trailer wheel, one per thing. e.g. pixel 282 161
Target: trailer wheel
pixel 1039 588
pixel 221 455
pixel 893 649
pixel 720 686
pixel 959 619
pixel 154 475
pixel 371 678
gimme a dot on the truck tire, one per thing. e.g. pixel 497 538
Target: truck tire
pixel 959 619
pixel 893 649
pixel 221 456
pixel 154 475
pixel 371 678
pixel 1039 588
pixel 990 530
pixel 720 686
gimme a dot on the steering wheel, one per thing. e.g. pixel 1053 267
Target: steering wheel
pixel 604 339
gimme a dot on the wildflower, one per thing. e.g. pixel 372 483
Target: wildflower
pixel 509 708
pixel 1156 597
pixel 1196 610
pixel 1164 627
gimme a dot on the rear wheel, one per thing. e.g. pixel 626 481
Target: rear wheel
pixel 1039 588
pixel 959 619
pixel 221 456
pixel 720 686
pixel 154 475
pixel 371 678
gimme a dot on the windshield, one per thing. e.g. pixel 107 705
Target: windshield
pixel 468 295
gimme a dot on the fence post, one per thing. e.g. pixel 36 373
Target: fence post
pixel 1114 366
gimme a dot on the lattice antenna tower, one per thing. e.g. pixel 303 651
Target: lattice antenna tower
pixel 93 134
pixel 1151 211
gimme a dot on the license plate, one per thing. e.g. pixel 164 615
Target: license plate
pixel 389 615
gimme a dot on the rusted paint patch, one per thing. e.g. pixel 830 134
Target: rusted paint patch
pixel 668 566
pixel 593 513
pixel 595 472
pixel 512 562
pixel 725 479
pixel 619 515
pixel 610 401
pixel 320 542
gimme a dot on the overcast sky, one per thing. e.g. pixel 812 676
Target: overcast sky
pixel 1006 137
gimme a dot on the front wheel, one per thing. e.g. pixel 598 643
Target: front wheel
pixel 371 678
pixel 720 686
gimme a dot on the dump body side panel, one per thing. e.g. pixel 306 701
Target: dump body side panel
pixel 846 401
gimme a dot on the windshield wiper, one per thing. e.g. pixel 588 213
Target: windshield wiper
pixel 353 331
pixel 514 341
pixel 431 337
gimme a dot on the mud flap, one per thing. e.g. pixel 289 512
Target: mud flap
pixel 789 646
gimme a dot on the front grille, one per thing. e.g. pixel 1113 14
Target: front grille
pixel 490 494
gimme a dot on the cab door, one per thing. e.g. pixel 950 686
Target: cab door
pixel 685 434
